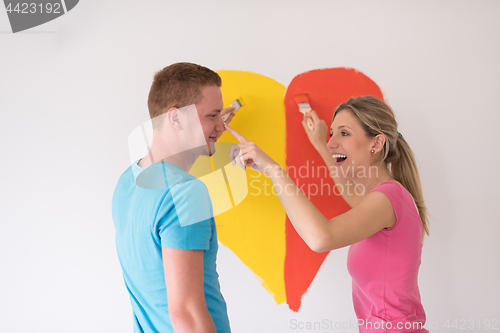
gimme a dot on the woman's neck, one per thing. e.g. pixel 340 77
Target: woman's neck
pixel 377 175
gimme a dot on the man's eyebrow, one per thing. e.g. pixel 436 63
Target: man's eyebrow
pixel 216 110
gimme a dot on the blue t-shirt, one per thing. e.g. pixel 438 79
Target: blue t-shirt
pixel 163 206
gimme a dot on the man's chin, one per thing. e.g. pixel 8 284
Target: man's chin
pixel 211 148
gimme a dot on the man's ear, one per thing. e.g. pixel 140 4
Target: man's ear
pixel 174 117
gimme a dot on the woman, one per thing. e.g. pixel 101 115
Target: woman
pixel 386 225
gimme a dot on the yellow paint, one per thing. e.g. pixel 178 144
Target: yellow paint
pixel 218 191
pixel 237 183
pixel 228 186
pixel 255 228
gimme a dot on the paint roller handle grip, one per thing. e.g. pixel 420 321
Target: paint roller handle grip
pixel 228 114
pixel 310 124
pixel 317 132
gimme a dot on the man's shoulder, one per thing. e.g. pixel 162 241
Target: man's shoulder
pixel 125 180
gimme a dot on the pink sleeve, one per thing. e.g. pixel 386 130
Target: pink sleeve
pixel 394 192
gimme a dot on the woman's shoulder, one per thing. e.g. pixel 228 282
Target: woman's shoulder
pixel 396 192
pixel 391 186
pixel 391 182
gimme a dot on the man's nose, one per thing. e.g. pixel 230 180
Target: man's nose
pixel 219 127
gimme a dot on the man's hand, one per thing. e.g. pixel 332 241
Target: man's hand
pixel 229 112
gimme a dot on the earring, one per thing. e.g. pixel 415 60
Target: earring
pixel 373 151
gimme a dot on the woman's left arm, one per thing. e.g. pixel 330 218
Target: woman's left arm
pixel 373 214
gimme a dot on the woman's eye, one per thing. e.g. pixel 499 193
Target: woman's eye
pixel 331 134
pixel 344 134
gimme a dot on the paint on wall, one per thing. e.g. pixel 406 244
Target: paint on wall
pixel 250 218
pixel 327 88
pixel 254 229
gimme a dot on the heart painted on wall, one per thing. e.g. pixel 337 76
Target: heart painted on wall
pixel 254 225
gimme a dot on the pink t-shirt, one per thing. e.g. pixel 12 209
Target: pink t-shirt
pixel 384 270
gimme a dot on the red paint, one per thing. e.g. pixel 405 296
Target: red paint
pixel 327 88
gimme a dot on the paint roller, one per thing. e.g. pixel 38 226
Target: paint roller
pixel 237 104
pixel 302 101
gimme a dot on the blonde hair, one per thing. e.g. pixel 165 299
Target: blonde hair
pixel 376 117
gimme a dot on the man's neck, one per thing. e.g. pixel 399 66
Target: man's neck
pixel 185 161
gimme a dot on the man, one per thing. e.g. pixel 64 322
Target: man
pixel 166 237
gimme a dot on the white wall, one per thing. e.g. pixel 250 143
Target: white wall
pixel 72 90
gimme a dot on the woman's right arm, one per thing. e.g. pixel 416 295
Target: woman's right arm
pixel 374 213
pixel 317 137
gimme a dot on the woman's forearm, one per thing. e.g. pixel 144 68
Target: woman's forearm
pixel 308 221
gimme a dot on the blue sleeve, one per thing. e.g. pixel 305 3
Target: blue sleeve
pixel 186 217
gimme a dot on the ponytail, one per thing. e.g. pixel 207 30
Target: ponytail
pixel 376 117
pixel 404 169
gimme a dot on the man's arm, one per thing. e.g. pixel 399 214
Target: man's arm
pixel 186 296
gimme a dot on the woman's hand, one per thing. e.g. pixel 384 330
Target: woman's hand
pixel 247 153
pixel 317 137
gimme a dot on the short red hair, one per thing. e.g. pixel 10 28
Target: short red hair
pixel 179 85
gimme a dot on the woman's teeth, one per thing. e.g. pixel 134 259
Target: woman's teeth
pixel 339 157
